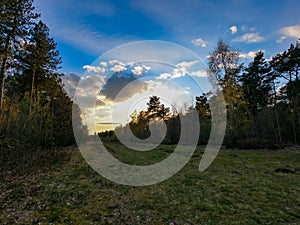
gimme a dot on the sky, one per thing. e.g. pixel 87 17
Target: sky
pixel 90 32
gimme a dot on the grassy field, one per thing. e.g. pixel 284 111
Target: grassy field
pixel 240 187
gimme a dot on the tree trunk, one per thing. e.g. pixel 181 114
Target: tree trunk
pixel 276 115
pixel 2 74
pixel 32 90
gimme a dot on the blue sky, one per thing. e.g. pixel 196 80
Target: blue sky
pixel 87 31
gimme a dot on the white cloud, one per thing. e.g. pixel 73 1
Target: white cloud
pixel 146 67
pixel 182 69
pixel 178 73
pixel 249 38
pixel 199 42
pixel 233 29
pixel 185 64
pixel 249 55
pixel 281 39
pixel 96 69
pixel 138 70
pixel 116 62
pixel 291 31
pixel 200 73
pixel 164 76
pixel 118 68
pixel 104 64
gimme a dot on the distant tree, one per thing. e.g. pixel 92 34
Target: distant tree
pixel 203 109
pixel 140 120
pixel 202 106
pixel 156 109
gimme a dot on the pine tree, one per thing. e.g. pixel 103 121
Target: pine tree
pixel 156 109
pixel 16 16
pixel 38 63
pixel 255 83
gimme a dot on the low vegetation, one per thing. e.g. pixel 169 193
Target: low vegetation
pixel 240 187
pixel 43 181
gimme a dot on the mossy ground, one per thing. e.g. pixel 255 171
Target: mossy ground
pixel 240 187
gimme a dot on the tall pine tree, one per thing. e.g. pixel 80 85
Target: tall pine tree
pixel 16 16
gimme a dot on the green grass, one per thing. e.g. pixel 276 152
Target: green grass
pixel 240 187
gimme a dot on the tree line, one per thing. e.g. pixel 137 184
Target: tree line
pixel 35 111
pixel 262 101
pixel 262 98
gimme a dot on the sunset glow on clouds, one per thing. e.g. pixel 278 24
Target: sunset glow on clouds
pixel 85 30
pixel 128 89
pixel 113 88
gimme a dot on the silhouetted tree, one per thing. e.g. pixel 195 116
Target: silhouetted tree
pixel 16 16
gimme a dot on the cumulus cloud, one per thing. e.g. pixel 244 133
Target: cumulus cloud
pixel 70 82
pixel 96 69
pixel 116 62
pixel 86 91
pixel 290 31
pixel 182 69
pixel 199 42
pixel 164 76
pixel 118 68
pixel 249 38
pixel 104 64
pixel 249 55
pixel 233 29
pixel 146 67
pixel 138 70
pixel 114 86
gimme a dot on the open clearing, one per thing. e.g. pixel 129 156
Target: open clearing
pixel 240 187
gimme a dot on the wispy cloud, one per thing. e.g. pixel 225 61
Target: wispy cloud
pixel 199 42
pixel 233 29
pixel 87 39
pixel 73 28
pixel 290 31
pixel 250 38
pixel 281 39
